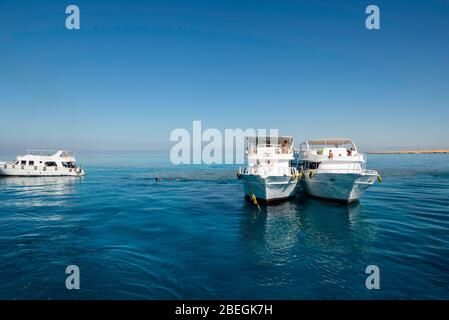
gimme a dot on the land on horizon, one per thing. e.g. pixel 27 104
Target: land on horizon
pixel 410 151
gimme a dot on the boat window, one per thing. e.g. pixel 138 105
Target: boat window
pixel 311 165
pixel 50 164
pixel 315 165
pixel 68 164
pixel 23 162
pixel 31 163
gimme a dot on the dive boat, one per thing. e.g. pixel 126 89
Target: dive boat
pixel 269 175
pixel 334 169
pixel 42 163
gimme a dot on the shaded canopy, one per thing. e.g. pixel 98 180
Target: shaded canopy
pixel 271 140
pixel 330 141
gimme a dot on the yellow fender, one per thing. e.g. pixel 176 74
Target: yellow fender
pixel 379 178
pixel 253 199
pixel 311 174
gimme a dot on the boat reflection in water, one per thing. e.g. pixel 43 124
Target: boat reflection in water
pixel 305 242
pixel 39 191
pixel 274 229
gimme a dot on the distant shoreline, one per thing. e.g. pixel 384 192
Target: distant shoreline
pixel 411 151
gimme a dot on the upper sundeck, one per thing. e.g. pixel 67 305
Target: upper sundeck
pixel 332 149
pixel 279 147
pixel 48 154
pixel 327 143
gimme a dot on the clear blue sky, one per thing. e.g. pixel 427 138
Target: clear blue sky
pixel 139 69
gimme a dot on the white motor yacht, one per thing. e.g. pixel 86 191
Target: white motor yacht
pixel 269 175
pixel 334 169
pixel 42 163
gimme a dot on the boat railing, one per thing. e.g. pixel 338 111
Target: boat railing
pixel 268 145
pixel 35 152
pixel 358 157
pixel 347 170
pixel 264 170
pixel 67 154
pixel 278 149
pixel 49 153
pixel 370 172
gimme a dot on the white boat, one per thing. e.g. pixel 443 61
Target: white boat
pixel 269 175
pixel 42 163
pixel 334 169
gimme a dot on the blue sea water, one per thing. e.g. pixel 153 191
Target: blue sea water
pixel 192 235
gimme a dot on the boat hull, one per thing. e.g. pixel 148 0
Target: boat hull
pixel 343 187
pixel 269 189
pixel 31 171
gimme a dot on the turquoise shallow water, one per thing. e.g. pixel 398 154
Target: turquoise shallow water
pixel 194 236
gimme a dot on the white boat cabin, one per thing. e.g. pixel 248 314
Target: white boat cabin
pixel 270 154
pixel 332 154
